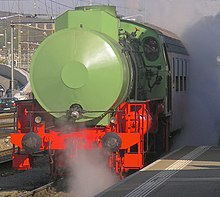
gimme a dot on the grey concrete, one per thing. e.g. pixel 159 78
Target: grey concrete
pixel 20 76
pixel 200 177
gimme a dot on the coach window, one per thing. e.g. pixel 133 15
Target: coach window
pixel 181 75
pixel 173 69
pixel 185 75
pixel 177 75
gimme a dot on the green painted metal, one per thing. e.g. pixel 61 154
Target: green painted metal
pixel 160 90
pixel 99 18
pixel 79 66
pixel 74 74
pixel 106 8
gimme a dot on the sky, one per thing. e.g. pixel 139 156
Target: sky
pixel 154 11
pixel 53 7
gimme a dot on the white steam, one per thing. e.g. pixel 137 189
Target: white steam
pixel 203 123
pixel 198 25
pixel 133 5
pixel 90 174
pixel 176 15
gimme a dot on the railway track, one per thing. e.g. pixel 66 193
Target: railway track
pixel 53 188
pixel 8 120
pixel 48 189
pixel 7 116
pixel 4 135
pixel 5 156
pixel 41 191
pixel 6 163
pixel 7 125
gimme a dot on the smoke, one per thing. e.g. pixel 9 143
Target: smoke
pixel 90 173
pixel 86 165
pixel 133 5
pixel 87 170
pixel 177 16
pixel 203 123
pixel 197 23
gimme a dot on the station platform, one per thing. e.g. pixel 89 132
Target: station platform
pixel 186 172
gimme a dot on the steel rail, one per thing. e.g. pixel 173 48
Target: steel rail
pixel 6 125
pixel 6 116
pixel 40 191
pixel 4 135
pixel 5 156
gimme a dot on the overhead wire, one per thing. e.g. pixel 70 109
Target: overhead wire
pixel 51 9
pixel 76 3
pixel 73 3
pixel 45 1
pixel 14 0
pixel 62 4
pixel 12 7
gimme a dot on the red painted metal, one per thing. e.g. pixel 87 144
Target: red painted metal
pixel 21 161
pixel 133 121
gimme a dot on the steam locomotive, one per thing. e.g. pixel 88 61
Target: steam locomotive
pixel 101 82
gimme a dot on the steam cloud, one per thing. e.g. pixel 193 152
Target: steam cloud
pixel 90 174
pixel 203 123
pixel 198 25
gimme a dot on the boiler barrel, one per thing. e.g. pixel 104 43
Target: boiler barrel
pixel 78 66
